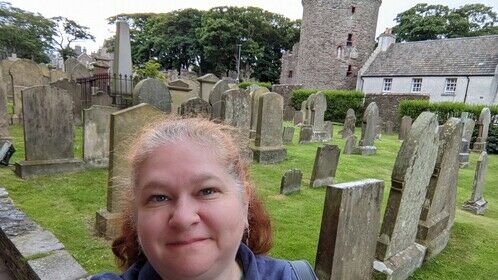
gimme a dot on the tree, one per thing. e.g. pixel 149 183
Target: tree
pixel 66 32
pixel 425 22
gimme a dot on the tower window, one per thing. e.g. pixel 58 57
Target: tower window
pixel 353 10
pixel 349 42
pixel 290 74
pixel 339 52
pixel 350 71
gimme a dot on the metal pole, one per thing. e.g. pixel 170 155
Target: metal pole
pixel 238 63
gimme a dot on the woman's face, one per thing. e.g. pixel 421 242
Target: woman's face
pixel 189 214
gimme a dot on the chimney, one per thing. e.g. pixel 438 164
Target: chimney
pixel 386 39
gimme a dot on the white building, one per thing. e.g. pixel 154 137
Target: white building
pixel 456 70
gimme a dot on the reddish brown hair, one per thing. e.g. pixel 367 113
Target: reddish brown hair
pixel 258 237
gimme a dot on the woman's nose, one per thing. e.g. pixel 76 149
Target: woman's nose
pixel 184 215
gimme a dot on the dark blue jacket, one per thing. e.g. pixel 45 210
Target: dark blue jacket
pixel 255 268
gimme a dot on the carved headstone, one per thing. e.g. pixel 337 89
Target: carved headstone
pixel 439 206
pixel 154 92
pixel 236 110
pixel 48 132
pixel 268 147
pixel 483 124
pixel 291 181
pixel 74 90
pixel 349 230
pixel 476 204
pixel 96 128
pixel 207 83
pixel 255 99
pixel 325 166
pixel 288 135
pixel 196 108
pixel 180 92
pixel 404 129
pixel 349 124
pixel 305 134
pixel 368 131
pixel 398 256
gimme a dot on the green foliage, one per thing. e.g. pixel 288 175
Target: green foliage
pixel 492 141
pixel 151 69
pixel 429 22
pixel 245 85
pixel 338 102
pixel 66 32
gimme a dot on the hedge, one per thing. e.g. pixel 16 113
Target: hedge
pixel 245 85
pixel 446 110
pixel 338 102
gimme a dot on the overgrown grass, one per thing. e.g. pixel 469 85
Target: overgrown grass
pixel 66 205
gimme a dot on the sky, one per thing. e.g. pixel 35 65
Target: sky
pixel 93 13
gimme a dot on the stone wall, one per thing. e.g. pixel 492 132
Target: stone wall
pixel 389 105
pixel 31 252
pixel 286 92
pixel 289 59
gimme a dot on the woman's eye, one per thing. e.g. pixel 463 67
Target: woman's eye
pixel 207 191
pixel 158 198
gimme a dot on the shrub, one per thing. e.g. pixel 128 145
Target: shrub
pixel 245 85
pixel 492 145
pixel 338 102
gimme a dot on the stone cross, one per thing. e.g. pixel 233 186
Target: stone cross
pixel 368 131
pixel 268 146
pixel 476 204
pixel 154 92
pixel 484 122
pixel 349 230
pixel 96 128
pixel 398 256
pixel 406 125
pixel 439 206
pixel 288 135
pixel 291 181
pixel 349 124
pixel 195 108
pixel 325 166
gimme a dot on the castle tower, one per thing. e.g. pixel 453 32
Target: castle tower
pixel 337 37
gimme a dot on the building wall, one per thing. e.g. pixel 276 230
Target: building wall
pixel 326 25
pixel 479 90
pixel 289 63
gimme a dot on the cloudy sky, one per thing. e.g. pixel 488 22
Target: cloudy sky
pixel 93 13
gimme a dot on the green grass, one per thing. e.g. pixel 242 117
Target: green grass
pixel 66 205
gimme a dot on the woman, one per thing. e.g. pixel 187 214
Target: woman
pixel 194 213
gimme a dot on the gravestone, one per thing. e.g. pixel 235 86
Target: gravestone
pixel 291 181
pixel 349 145
pixel 196 108
pixel 389 127
pixel 80 71
pixel 349 230
pixel 215 98
pixel 288 135
pixel 317 104
pixel 306 134
pixel 207 83
pixel 23 73
pixel 96 127
pixel 439 206
pixel 482 137
pixel 268 147
pixel 298 118
pixel 328 127
pixel 69 64
pixel 180 92
pixel 397 254
pixel 368 131
pixel 349 124
pixel 255 98
pixel 56 75
pixel 304 109
pixel 236 109
pixel 121 64
pixel 476 204
pixel 153 92
pixel 48 133
pixel 468 129
pixel 74 91
pixel 286 92
pixel 125 126
pixel 4 115
pixel 404 129
pixel 325 166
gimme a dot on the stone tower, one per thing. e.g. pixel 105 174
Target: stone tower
pixel 337 37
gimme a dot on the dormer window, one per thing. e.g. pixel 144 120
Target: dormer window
pixel 349 42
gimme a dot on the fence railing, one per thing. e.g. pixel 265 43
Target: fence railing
pixel 118 87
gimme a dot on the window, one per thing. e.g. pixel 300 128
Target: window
pixel 388 82
pixel 339 52
pixel 353 10
pixel 417 85
pixel 290 74
pixel 349 42
pixel 350 71
pixel 451 84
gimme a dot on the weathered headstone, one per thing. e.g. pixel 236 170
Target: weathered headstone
pixel 291 181
pixel 48 132
pixel 69 65
pixel 398 256
pixel 328 128
pixel 215 98
pixel 298 118
pixel 317 103
pixel 482 137
pixel 349 124
pixel 154 92
pixel 236 109
pixel 388 127
pixel 349 145
pixel 368 131
pixel 404 129
pixel 4 116
pixel 96 127
pixel 121 65
pixel 349 230
pixel 304 109
pixel 476 204
pixel 255 98
pixel 305 134
pixel 468 129
pixel 325 166
pixel 288 135
pixel 433 228
pixel 56 75
pixel 125 126
pixel 286 90
pixel 74 91
pixel 207 83
pixel 196 108
pixel 268 147
pixel 180 92
pixel 80 71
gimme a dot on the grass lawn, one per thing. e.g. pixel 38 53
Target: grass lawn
pixel 66 205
